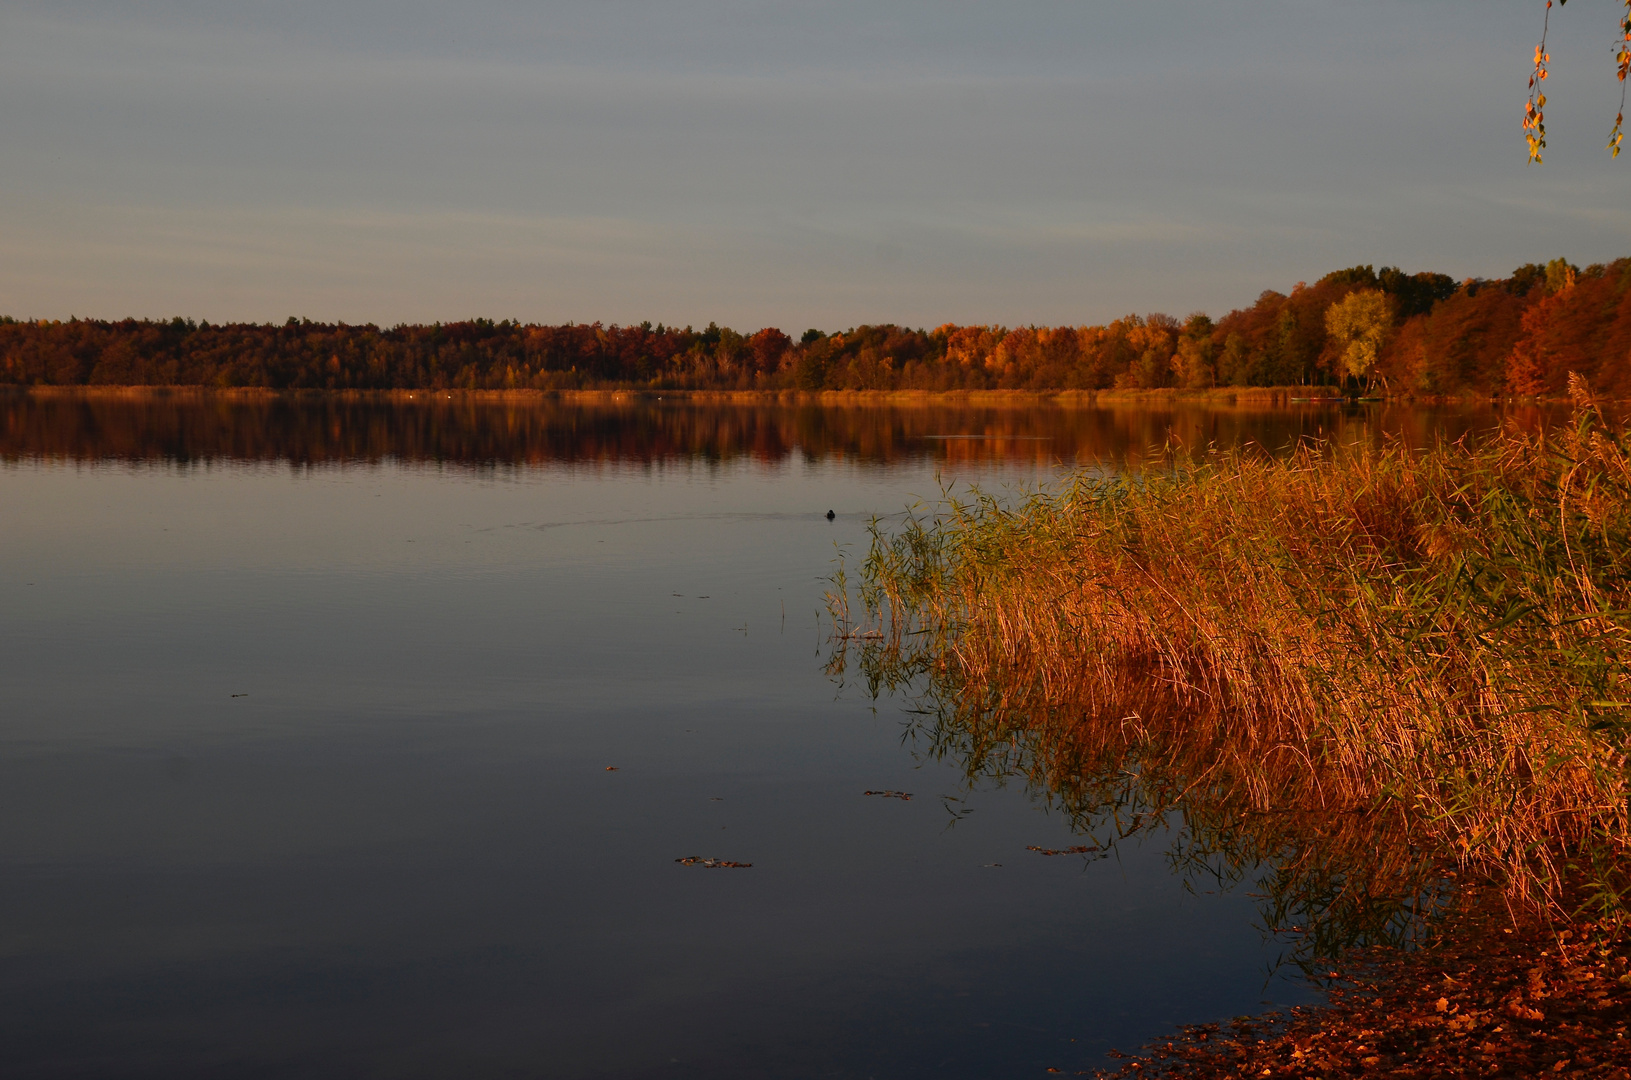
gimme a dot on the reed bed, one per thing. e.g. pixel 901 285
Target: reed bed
pixel 1433 639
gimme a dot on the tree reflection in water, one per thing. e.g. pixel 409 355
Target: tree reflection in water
pixel 485 431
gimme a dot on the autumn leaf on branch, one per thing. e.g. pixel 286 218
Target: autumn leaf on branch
pixel 1534 115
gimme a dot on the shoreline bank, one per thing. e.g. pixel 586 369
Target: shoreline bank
pixel 1488 995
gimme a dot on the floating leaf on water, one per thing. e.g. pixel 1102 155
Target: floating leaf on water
pixel 1079 849
pixel 903 796
pixel 611 768
pixel 713 864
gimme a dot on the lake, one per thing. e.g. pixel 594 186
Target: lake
pixel 352 737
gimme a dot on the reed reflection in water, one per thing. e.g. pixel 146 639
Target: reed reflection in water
pixel 1329 876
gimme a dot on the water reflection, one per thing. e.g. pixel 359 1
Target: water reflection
pixel 184 427
pixel 401 851
pixel 1331 871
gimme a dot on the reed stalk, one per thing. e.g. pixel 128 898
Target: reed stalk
pixel 1436 639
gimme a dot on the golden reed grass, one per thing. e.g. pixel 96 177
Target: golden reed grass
pixel 1434 639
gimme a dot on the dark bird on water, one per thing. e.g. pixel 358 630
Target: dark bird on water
pixel 831 515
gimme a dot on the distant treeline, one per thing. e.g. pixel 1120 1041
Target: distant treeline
pixel 1408 333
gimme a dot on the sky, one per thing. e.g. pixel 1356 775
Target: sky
pixel 817 164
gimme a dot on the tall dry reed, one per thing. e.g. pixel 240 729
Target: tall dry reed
pixel 1438 638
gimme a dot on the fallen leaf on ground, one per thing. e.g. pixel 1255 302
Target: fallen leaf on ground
pixel 1439 1011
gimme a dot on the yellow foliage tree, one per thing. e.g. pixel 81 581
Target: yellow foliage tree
pixel 1358 325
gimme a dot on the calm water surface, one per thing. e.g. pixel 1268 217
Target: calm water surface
pixel 361 740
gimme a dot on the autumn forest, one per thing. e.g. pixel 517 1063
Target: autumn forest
pixel 1355 330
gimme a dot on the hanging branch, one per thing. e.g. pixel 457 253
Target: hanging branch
pixel 1534 118
pixel 1623 59
pixel 1534 115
